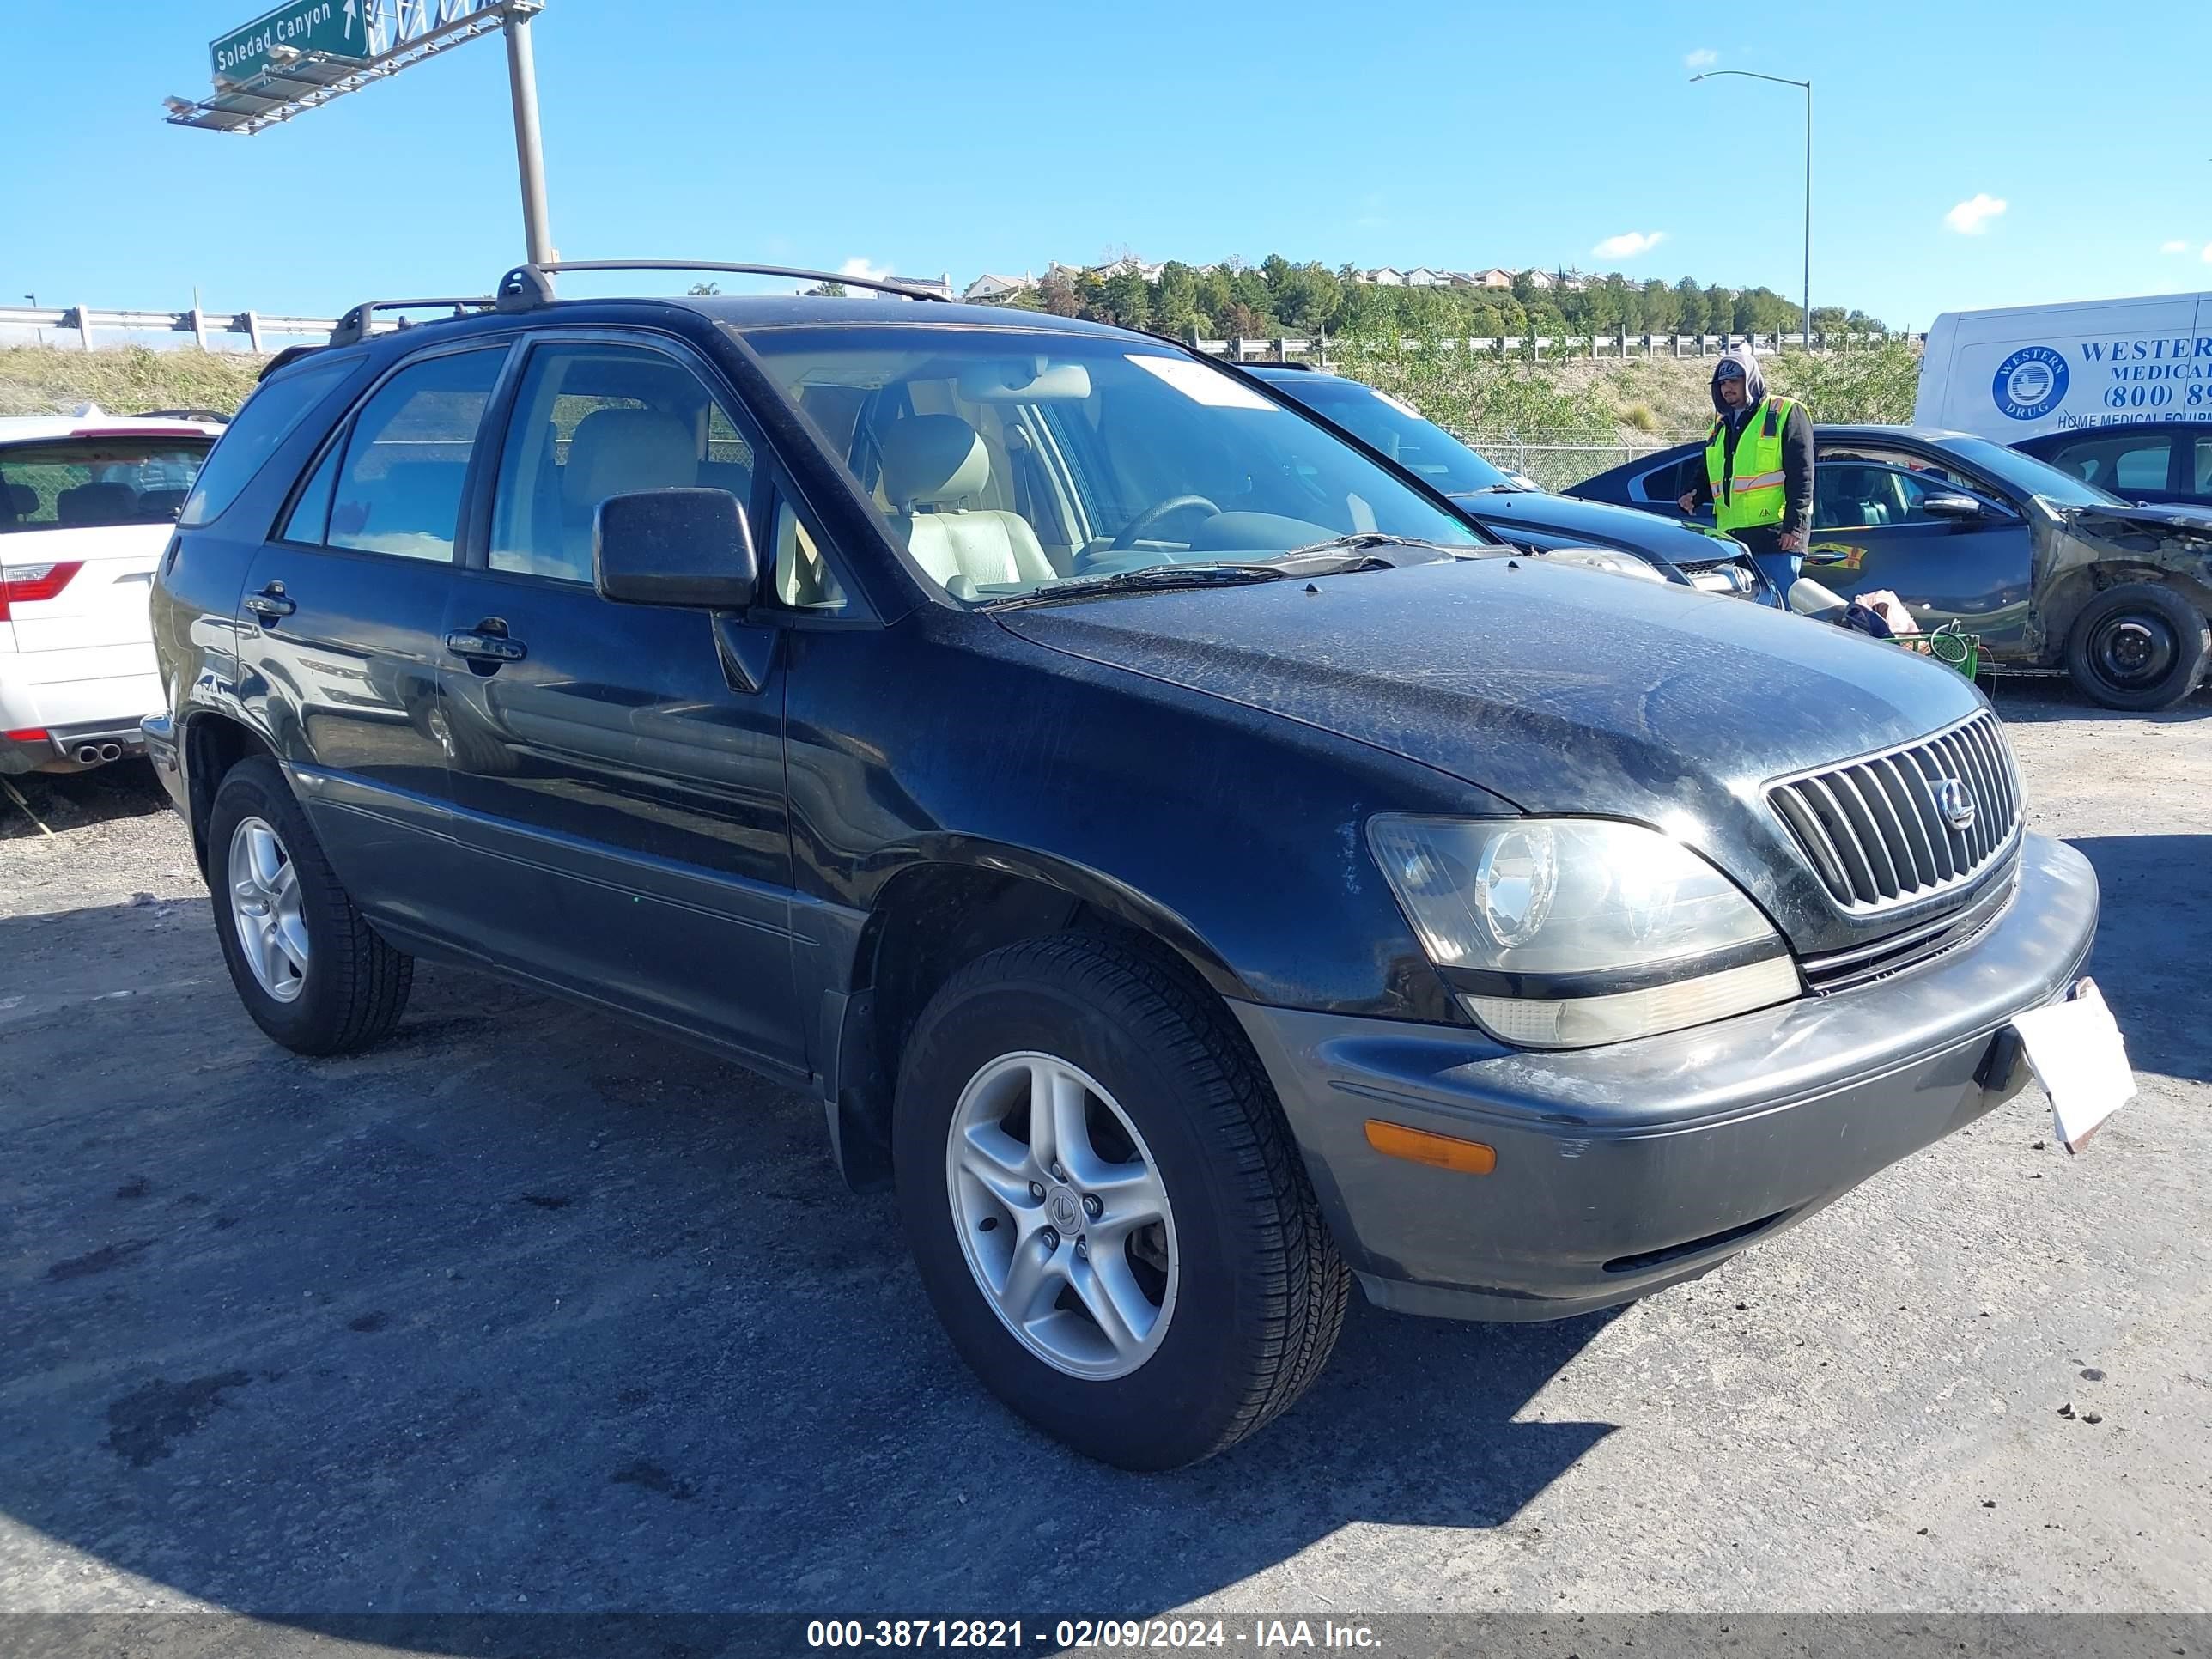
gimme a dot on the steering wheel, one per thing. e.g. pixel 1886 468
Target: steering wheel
pixel 1154 513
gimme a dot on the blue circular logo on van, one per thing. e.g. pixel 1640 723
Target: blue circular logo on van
pixel 2030 383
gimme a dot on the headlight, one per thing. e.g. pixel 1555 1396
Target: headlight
pixel 1608 559
pixel 1563 932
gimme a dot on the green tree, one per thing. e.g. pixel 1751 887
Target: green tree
pixel 1879 386
pixel 1691 299
pixel 1719 310
pixel 703 290
pixel 1126 298
pixel 1175 301
pixel 825 291
pixel 1662 307
pixel 1215 295
pixel 1308 298
pixel 1364 309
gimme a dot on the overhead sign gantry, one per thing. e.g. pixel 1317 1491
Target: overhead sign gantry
pixel 300 56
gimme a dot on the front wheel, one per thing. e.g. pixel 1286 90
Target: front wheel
pixel 1105 1205
pixel 309 969
pixel 2138 646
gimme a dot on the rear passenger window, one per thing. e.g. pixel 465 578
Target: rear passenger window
pixel 399 488
pixel 2122 462
pixel 595 420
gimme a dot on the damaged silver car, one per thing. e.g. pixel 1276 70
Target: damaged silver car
pixel 2051 571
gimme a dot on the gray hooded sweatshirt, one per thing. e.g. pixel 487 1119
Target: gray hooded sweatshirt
pixel 1797 441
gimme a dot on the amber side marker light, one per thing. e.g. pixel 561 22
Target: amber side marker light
pixel 1439 1151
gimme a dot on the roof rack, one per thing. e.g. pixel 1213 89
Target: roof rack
pixel 357 324
pixel 526 288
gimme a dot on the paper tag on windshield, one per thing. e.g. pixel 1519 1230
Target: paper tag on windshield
pixel 2077 1053
pixel 1199 384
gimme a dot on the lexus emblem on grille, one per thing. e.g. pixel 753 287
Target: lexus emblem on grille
pixel 1956 803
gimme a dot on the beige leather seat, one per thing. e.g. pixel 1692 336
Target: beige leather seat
pixel 616 452
pixel 933 466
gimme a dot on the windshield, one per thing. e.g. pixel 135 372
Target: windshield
pixel 1007 460
pixel 2029 475
pixel 73 484
pixel 1399 432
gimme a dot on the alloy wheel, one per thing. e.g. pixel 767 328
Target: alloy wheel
pixel 1062 1215
pixel 266 910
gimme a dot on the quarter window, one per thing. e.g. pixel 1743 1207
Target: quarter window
pixel 595 420
pixel 265 421
pixel 399 488
pixel 804 579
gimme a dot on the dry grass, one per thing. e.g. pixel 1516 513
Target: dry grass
pixel 123 380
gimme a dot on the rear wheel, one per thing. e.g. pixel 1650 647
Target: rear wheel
pixel 1105 1205
pixel 2139 646
pixel 309 969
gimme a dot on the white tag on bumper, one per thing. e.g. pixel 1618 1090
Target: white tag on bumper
pixel 2077 1053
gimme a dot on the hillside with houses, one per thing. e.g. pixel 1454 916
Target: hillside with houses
pixel 1230 299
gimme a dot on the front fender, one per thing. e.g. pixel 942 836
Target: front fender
pixel 1236 836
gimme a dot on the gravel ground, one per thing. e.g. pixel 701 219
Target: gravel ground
pixel 529 1311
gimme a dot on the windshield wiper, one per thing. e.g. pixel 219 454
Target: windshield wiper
pixel 1362 539
pixel 1151 576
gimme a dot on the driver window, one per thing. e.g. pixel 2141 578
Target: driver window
pixel 1857 495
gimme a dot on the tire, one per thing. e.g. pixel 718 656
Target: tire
pixel 2138 646
pixel 335 985
pixel 1246 1289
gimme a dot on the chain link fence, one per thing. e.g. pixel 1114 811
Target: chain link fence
pixel 1562 460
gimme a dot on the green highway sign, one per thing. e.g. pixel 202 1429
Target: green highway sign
pixel 334 28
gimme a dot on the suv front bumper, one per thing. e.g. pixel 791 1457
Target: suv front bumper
pixel 1625 1169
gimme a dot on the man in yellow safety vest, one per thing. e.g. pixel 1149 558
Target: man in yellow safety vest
pixel 1758 468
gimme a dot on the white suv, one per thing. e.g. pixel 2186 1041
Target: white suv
pixel 87 502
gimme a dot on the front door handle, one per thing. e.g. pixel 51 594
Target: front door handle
pixel 485 647
pixel 271 603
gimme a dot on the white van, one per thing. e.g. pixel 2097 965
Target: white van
pixel 2026 370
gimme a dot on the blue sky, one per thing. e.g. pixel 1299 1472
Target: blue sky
pixel 927 139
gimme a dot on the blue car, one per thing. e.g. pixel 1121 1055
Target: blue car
pixel 1511 507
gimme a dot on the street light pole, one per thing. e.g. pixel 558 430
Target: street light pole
pixel 1784 81
pixel 529 147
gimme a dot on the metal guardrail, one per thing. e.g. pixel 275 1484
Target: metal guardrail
pixel 195 322
pixel 1293 350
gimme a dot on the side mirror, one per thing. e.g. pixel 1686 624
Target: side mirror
pixel 1951 506
pixel 675 547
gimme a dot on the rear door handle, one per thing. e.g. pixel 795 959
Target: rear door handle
pixel 271 603
pixel 486 648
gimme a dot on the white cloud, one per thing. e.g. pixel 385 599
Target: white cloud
pixel 868 268
pixel 2207 253
pixel 1628 243
pixel 1972 216
pixel 2176 247
pixel 1703 57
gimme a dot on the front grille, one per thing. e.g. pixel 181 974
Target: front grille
pixel 1910 946
pixel 1874 829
